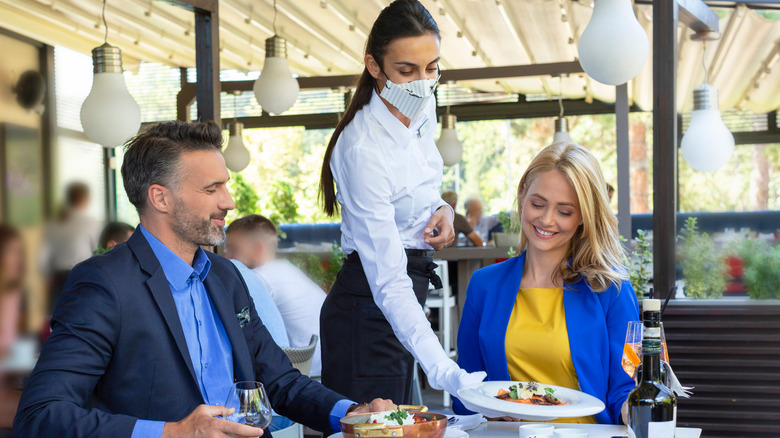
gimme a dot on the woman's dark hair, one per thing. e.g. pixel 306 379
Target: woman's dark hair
pixel 402 18
pixel 153 157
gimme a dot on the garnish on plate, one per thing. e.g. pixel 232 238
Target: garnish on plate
pixel 531 394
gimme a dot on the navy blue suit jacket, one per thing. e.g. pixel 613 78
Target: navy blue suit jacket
pixel 596 324
pixel 117 352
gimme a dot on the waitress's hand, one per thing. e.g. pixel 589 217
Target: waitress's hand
pixel 441 220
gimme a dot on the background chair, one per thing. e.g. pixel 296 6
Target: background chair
pixel 300 359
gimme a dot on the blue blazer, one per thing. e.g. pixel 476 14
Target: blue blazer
pixel 596 325
pixel 117 352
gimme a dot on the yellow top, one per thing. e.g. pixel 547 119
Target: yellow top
pixel 537 343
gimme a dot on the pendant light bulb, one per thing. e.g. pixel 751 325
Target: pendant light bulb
pixel 614 46
pixel 450 148
pixel 236 154
pixel 276 90
pixel 708 144
pixel 109 115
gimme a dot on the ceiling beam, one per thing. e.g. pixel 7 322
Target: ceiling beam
pixel 465 113
pixel 698 16
pixel 466 74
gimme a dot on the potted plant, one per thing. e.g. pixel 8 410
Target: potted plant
pixel 761 269
pixel 510 237
pixel 704 267
pixel 639 264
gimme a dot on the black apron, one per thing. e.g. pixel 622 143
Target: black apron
pixel 361 356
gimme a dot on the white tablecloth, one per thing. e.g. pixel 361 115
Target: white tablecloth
pixel 495 429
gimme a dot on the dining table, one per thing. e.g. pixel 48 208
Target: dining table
pixel 497 429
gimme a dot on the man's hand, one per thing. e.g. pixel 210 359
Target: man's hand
pixel 376 405
pixel 201 423
pixel 441 219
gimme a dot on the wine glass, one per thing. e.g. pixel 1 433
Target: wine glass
pixel 251 404
pixel 632 348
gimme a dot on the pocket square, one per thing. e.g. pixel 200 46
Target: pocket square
pixel 243 317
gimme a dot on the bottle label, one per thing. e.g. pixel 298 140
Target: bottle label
pixel 663 429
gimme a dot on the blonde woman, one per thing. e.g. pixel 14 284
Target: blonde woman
pixel 557 313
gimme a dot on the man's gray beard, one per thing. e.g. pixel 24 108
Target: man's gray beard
pixel 193 229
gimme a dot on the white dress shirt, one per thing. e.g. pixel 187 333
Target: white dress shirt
pixel 69 242
pixel 388 178
pixel 299 300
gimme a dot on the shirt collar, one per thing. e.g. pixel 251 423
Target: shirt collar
pixel 176 270
pixel 400 133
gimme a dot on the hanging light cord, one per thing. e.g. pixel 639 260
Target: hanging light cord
pixel 560 95
pixel 704 60
pixel 105 38
pixel 235 107
pixel 275 13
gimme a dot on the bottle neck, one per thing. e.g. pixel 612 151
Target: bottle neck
pixel 651 366
pixel 651 319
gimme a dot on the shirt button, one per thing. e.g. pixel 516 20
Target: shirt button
pixel 200 323
pixel 205 365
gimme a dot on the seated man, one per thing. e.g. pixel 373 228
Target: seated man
pixel 113 234
pixel 459 223
pixel 253 240
pixel 482 225
pixel 264 304
pixel 149 338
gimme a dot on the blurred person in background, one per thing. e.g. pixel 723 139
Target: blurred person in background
pixel 113 234
pixel 482 225
pixel 71 239
pixel 11 284
pixel 253 240
pixel 460 224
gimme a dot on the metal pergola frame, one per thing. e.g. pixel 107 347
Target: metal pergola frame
pixel 696 14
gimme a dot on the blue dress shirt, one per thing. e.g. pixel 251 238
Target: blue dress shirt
pixel 207 341
pixel 264 304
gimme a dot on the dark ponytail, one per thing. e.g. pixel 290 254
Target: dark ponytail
pixel 402 18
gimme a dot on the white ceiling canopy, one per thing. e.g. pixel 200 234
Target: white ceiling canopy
pixel 327 37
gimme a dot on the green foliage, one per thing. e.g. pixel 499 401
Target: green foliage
pixel 324 274
pixel 703 265
pixel 281 207
pixel 244 195
pixel 761 270
pixel 510 222
pixel 638 266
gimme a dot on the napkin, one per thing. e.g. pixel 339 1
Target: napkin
pixel 465 422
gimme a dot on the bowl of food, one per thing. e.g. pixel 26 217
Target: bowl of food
pixel 406 421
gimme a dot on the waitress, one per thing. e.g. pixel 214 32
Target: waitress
pixel 387 173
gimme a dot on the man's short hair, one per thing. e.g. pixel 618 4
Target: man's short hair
pixel 76 193
pixel 468 202
pixel 154 157
pixel 450 197
pixel 253 223
pixel 116 231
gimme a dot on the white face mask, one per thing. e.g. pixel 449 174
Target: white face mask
pixel 409 98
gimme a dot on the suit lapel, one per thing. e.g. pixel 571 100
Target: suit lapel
pixel 223 303
pixel 161 292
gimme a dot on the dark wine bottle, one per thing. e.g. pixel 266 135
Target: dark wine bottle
pixel 652 406
pixel 651 317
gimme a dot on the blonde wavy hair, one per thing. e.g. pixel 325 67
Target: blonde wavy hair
pixel 595 250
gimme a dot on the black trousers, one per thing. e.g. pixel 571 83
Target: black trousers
pixel 361 356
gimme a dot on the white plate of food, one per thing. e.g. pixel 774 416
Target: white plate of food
pixel 528 401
